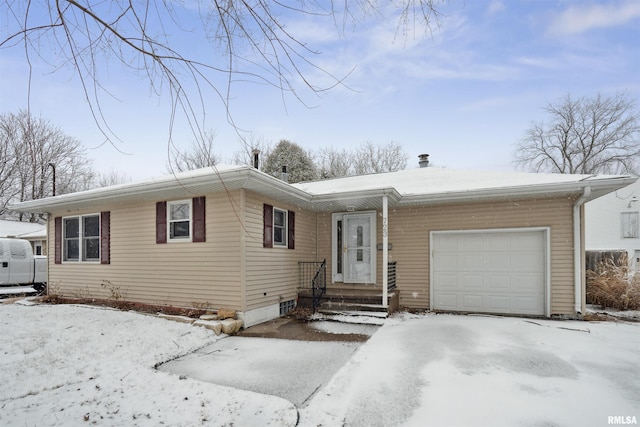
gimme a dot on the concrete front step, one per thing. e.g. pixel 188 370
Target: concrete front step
pixel 334 305
pixel 355 313
pixel 352 301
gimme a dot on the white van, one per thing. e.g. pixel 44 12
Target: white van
pixel 18 265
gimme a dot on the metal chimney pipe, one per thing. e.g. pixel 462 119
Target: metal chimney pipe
pixel 285 175
pixel 423 160
pixel 256 158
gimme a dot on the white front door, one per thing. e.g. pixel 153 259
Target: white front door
pixel 359 256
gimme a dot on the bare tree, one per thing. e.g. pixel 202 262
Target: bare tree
pixel 200 155
pixel 249 41
pixel 250 145
pixel 370 158
pixel 112 178
pixel 584 136
pixel 32 149
pixel 333 163
pixel 298 162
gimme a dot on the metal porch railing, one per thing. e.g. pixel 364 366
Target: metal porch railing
pixel 391 275
pixel 314 274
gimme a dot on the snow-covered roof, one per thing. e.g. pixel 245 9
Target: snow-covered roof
pixel 419 186
pixel 22 230
pixel 432 185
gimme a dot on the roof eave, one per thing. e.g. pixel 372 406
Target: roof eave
pixel 355 200
pixel 599 187
pixel 232 179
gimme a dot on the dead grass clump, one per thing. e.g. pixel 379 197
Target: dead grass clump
pixel 614 285
pixel 300 313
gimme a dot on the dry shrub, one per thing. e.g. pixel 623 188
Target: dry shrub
pixel 614 285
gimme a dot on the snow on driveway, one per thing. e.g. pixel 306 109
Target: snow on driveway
pixel 293 370
pixel 448 370
pixel 75 365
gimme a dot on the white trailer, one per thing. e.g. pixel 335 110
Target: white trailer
pixel 20 269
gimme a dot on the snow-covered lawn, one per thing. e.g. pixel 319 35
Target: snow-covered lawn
pixel 77 365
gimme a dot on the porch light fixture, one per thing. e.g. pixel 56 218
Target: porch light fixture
pixel 632 201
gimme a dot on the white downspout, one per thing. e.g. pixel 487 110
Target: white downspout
pixel 385 250
pixel 577 249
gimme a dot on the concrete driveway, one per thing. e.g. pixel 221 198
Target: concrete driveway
pixel 455 370
pixel 285 357
pixel 445 370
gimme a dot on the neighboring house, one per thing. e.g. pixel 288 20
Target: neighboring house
pixel 233 237
pixel 612 223
pixel 31 231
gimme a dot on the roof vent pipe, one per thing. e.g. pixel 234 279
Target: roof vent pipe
pixel 285 175
pixel 256 158
pixel 423 160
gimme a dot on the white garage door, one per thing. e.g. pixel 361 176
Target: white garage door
pixel 498 271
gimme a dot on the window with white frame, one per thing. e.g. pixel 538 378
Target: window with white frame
pixel 629 225
pixel 179 220
pixel 81 238
pixel 279 227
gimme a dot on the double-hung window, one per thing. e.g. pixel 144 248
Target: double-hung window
pixel 279 227
pixel 179 220
pixel 81 238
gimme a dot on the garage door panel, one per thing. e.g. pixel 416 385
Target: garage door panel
pixel 529 240
pixel 470 282
pixel 497 243
pixel 526 305
pixel 447 301
pixel 444 261
pixel 449 245
pixel 498 283
pixel 528 284
pixel 472 302
pixel 497 261
pixel 496 272
pixel 472 262
pixel 470 243
pixel 527 261
pixel 499 304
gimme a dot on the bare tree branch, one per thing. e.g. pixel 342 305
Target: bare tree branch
pixel 248 41
pixel 29 145
pixel 200 155
pixel 584 136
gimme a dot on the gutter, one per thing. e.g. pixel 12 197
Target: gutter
pixel 577 248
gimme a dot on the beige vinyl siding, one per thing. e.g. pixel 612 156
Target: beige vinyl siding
pixel 271 274
pixel 410 227
pixel 180 274
pixel 323 228
pixel 409 233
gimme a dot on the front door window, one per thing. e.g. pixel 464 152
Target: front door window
pixel 354 259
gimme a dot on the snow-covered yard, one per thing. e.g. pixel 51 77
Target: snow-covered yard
pixel 77 365
pixel 68 365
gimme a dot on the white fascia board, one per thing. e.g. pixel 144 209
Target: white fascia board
pixel 599 185
pixel 157 188
pixel 391 192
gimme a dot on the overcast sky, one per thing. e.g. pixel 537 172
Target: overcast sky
pixel 464 94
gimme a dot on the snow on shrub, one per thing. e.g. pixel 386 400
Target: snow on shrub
pixel 613 284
